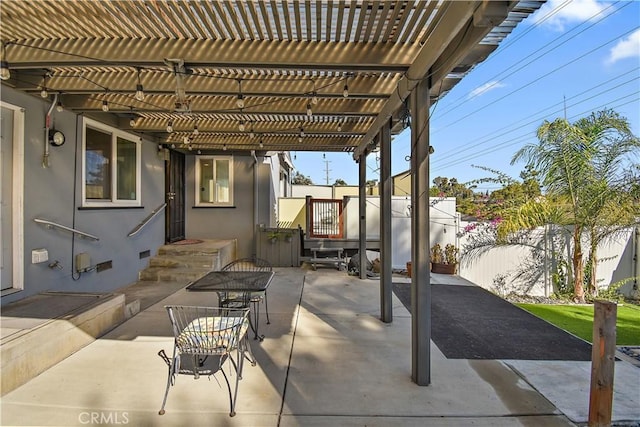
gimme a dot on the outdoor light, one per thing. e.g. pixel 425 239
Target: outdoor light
pixel 139 89
pixel 170 126
pixel 224 147
pixel 44 93
pixel 309 111
pixel 5 74
pixel 345 90
pixel 195 129
pixel 59 107
pixel 132 122
pixel 301 132
pixel 139 92
pixel 241 126
pixel 105 106
pixel 314 98
pixel 240 100
pixel 186 140
pixel 56 138
pixel 261 144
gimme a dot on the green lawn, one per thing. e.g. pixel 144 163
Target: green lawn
pixel 578 319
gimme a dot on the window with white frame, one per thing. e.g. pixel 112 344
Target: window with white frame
pixel 111 167
pixel 214 180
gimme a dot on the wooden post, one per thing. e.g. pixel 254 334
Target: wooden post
pixel 602 363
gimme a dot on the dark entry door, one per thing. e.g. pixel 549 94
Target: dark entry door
pixel 174 196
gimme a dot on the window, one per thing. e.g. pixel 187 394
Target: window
pixel 111 167
pixel 214 180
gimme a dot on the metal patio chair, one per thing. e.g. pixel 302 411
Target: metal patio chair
pixel 204 339
pixel 234 299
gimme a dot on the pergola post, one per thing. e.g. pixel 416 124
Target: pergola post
pixel 386 286
pixel 420 280
pixel 362 212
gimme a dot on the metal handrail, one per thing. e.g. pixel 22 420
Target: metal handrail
pixel 51 224
pixel 146 220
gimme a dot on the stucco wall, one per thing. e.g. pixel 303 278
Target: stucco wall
pixel 236 222
pixel 54 193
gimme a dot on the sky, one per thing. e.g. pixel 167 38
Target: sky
pixel 568 59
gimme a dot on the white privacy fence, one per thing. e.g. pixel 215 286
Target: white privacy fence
pixel 537 266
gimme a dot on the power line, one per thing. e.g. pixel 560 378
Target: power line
pixel 513 127
pixel 521 138
pixel 540 77
pixel 465 98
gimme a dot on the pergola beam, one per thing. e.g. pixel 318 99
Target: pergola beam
pixel 232 54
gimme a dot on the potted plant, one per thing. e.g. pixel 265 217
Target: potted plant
pixel 273 236
pixel 444 261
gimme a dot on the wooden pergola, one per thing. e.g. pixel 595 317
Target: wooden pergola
pixel 265 75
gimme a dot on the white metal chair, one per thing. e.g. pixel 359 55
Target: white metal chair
pixel 204 339
pixel 234 299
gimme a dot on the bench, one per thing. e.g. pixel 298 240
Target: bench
pixel 332 256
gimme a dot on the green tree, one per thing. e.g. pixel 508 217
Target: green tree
pixel 582 168
pixel 300 179
pixel 513 193
pixel 445 187
pixel 340 182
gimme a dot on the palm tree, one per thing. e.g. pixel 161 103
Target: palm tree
pixel 581 166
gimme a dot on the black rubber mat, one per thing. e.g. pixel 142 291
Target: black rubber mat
pixel 468 322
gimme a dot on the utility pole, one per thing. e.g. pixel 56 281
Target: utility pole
pixel 327 170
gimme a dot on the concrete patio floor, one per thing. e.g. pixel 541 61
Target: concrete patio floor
pixel 326 361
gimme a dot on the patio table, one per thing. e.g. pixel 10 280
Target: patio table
pixel 244 282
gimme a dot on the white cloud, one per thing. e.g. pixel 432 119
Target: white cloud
pixel 628 47
pixel 559 13
pixel 481 90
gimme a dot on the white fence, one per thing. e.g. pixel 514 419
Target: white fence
pixel 529 268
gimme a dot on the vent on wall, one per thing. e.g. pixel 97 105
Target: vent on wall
pixel 103 266
pixel 145 254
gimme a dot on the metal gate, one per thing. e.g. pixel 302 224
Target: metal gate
pixel 326 218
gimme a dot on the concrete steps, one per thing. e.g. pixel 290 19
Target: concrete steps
pixel 188 262
pixel 172 274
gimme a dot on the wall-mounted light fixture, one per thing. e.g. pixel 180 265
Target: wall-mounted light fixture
pixel 56 138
